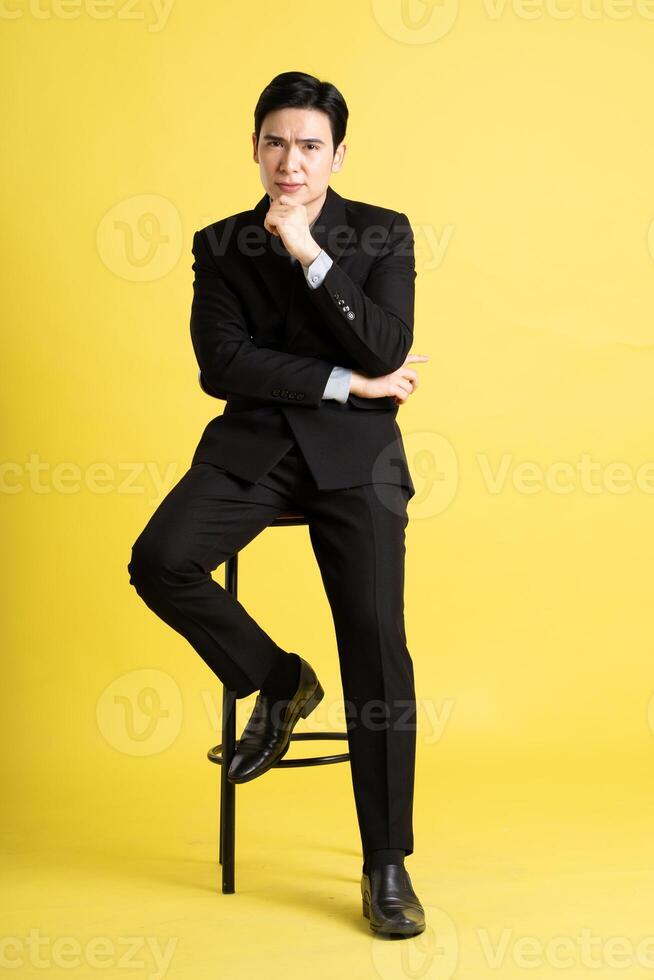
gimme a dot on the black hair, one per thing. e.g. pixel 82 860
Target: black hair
pixel 297 90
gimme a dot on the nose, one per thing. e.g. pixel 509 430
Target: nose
pixel 290 161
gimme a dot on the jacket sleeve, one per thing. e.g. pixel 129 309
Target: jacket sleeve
pixel 374 323
pixel 230 364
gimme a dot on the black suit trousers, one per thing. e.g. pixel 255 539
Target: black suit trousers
pixel 358 538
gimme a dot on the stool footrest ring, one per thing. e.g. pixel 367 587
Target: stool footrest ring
pixel 214 754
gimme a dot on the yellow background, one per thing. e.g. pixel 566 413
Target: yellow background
pixel 520 146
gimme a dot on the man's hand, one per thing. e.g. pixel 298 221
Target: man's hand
pixel 287 219
pixel 399 385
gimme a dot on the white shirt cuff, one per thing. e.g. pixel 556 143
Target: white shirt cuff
pixel 316 272
pixel 338 384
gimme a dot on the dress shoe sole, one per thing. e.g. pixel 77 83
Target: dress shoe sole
pixel 312 702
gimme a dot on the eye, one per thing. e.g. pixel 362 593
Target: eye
pixel 313 144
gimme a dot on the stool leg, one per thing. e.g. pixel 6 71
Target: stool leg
pixel 227 792
pixel 227 789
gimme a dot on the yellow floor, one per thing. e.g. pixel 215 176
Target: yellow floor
pixel 536 865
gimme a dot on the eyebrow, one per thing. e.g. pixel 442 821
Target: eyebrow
pixel 303 139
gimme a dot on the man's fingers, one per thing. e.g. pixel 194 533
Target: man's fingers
pixel 411 374
pixel 402 386
pixel 406 374
pixel 416 357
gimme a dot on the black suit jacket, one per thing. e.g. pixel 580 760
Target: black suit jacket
pixel 266 342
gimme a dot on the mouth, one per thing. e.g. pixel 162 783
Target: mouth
pixel 289 187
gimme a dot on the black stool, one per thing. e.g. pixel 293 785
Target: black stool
pixel 228 744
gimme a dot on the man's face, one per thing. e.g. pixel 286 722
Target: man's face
pixel 295 154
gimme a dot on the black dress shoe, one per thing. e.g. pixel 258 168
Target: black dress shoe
pixel 267 735
pixel 390 902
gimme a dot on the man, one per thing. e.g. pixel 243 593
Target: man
pixel 302 320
